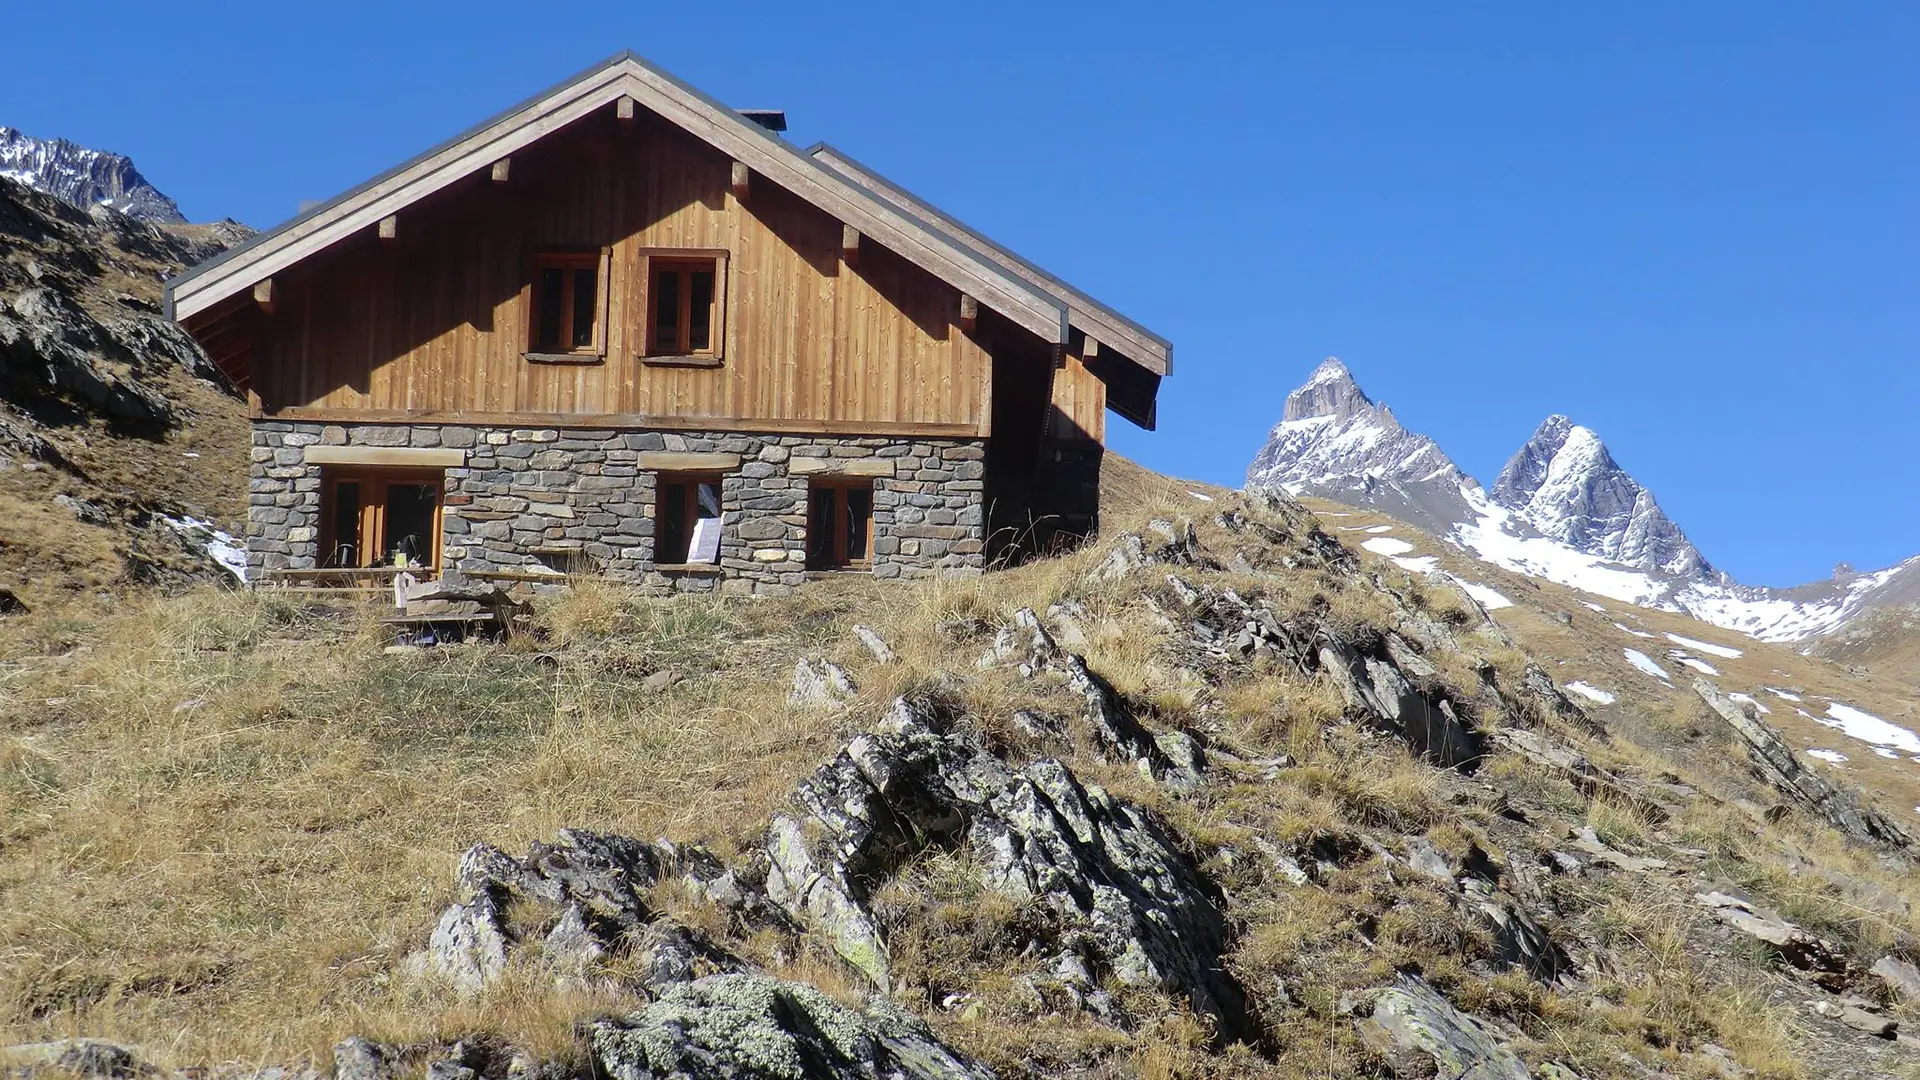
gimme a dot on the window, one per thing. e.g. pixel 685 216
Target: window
pixel 684 306
pixel 381 517
pixel 564 318
pixel 839 524
pixel 685 502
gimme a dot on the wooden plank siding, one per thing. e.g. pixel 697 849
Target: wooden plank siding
pixel 434 322
pixel 1079 411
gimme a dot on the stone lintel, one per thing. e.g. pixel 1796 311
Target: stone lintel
pixel 412 457
pixel 812 466
pixel 671 461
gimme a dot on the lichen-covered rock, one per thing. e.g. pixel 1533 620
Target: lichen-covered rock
pixel 95 1059
pixel 752 1027
pixel 594 884
pixel 357 1058
pixel 820 684
pixel 1127 899
pixel 1421 1034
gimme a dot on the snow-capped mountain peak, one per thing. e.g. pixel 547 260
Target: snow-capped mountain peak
pixel 1335 442
pixel 1565 484
pixel 86 178
pixel 1563 509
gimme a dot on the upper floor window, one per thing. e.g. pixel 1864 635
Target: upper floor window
pixel 684 306
pixel 565 319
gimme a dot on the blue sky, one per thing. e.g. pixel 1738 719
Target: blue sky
pixel 1691 227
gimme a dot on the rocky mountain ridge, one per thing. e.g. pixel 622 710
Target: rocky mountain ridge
pixel 113 424
pixel 84 177
pixel 1562 509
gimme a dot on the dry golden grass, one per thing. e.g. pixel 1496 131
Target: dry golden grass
pixel 226 819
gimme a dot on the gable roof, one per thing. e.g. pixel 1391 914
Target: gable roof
pixel 623 75
pixel 1084 313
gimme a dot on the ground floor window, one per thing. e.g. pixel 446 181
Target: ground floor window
pixel 687 519
pixel 381 517
pixel 839 524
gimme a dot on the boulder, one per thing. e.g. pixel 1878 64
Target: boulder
pixel 820 684
pixel 875 645
pixel 740 1026
pixel 1821 959
pixel 1421 1034
pixel 1900 976
pixel 94 1059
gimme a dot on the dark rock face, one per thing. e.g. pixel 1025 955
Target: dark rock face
pixel 1564 483
pixel 83 177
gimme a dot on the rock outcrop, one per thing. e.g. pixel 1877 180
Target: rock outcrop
pixel 1128 903
pixel 1777 764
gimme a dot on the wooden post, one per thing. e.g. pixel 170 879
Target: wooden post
pixel 742 177
pixel 969 313
pixel 501 168
pixel 263 294
pixel 850 245
pixel 389 227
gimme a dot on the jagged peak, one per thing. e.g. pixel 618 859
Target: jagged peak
pixel 1329 391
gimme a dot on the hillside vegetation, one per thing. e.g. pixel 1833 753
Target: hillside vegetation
pixel 1211 797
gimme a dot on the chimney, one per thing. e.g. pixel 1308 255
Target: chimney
pixel 771 119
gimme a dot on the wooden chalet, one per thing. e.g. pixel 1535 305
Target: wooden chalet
pixel 623 329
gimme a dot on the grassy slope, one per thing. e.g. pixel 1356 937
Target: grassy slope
pixel 225 819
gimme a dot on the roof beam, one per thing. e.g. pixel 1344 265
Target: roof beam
pixel 742 179
pixel 263 294
pixel 500 170
pixel 912 238
pixel 850 245
pixel 389 227
pixel 969 313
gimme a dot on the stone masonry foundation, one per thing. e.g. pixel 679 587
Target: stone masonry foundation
pixel 539 500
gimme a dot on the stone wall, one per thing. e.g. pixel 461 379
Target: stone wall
pixel 535 499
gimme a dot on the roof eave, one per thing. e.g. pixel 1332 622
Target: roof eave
pixel 920 241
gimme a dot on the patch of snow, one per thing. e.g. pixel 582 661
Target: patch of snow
pixel 1645 663
pixel 1631 630
pixel 1831 756
pixel 1750 700
pixel 1706 647
pixel 1386 545
pixel 1591 693
pixel 1590 606
pixel 1870 729
pixel 1488 596
pixel 1201 496
pixel 219 545
pixel 1783 695
pixel 1695 663
pixel 1886 753
pixel 1419 564
pixel 1494 538
pixel 1379 528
